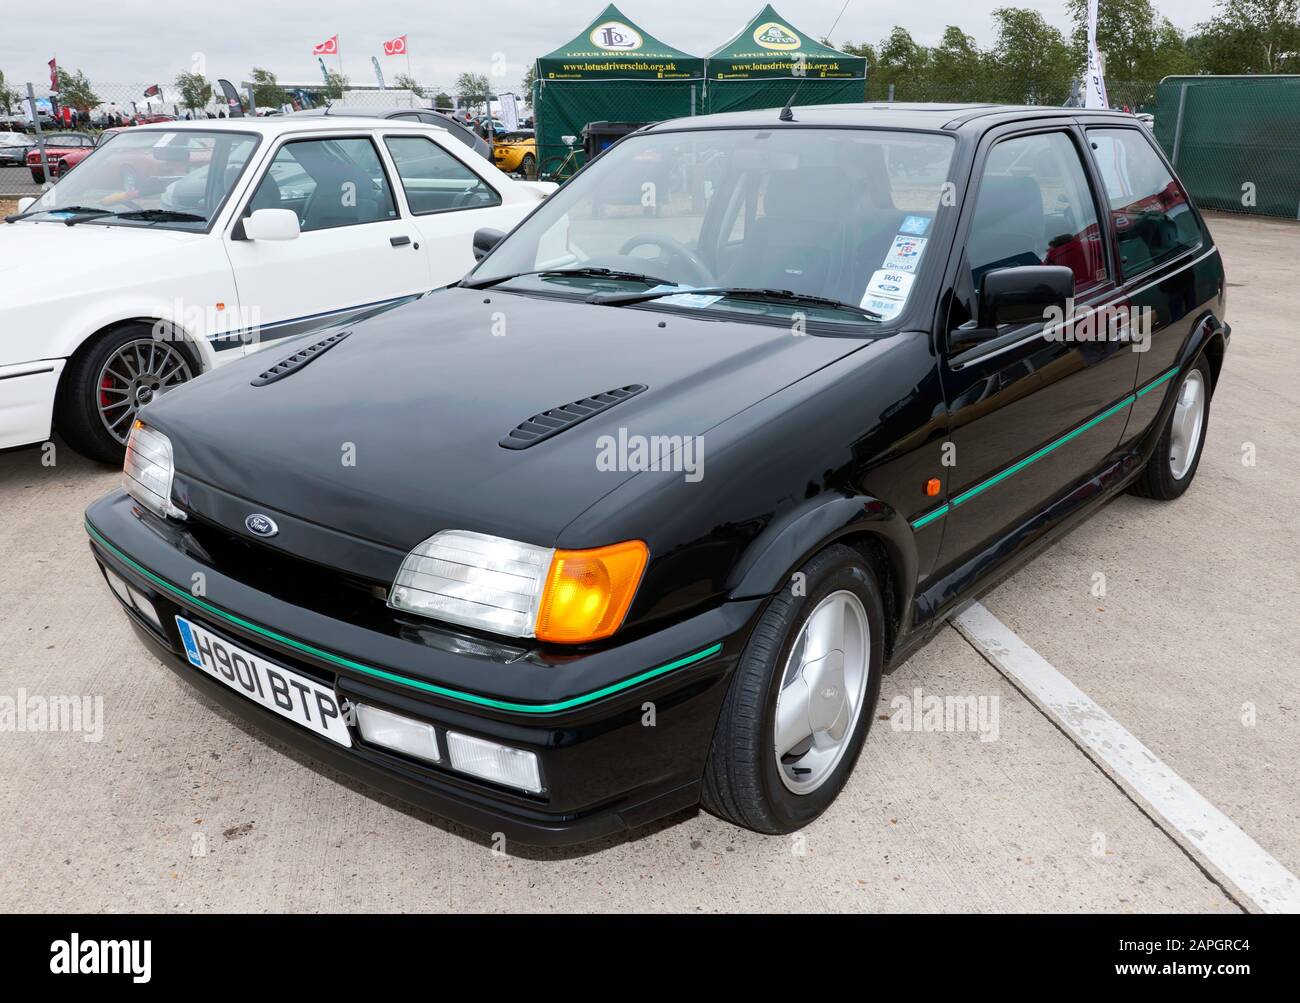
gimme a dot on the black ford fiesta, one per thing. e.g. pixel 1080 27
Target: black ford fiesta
pixel 635 517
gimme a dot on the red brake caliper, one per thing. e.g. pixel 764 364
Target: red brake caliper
pixel 105 384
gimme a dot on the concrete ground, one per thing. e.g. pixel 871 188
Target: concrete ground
pixel 1193 648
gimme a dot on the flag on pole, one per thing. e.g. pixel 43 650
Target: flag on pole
pixel 329 47
pixel 54 75
pixel 396 46
pixel 1094 90
pixel 152 91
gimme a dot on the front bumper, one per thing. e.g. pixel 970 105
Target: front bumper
pixel 587 716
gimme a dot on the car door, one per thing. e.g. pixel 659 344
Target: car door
pixel 1160 240
pixel 448 198
pixel 356 253
pixel 1034 409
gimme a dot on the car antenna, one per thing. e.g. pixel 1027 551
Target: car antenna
pixel 786 114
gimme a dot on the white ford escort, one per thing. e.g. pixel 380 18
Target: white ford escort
pixel 173 248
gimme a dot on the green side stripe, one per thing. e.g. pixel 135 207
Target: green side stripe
pixel 1157 381
pixel 942 510
pixel 1015 468
pixel 419 684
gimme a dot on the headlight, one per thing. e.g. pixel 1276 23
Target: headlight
pixel 148 471
pixel 519 590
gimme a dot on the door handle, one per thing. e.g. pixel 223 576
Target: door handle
pixel 399 241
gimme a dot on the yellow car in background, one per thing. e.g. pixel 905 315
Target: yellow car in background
pixel 516 152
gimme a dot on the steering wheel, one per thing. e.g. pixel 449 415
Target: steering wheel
pixel 674 249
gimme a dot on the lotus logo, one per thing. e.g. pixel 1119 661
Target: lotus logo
pixel 776 36
pixel 261 525
pixel 616 35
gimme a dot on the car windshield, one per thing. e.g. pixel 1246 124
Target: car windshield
pixel 151 177
pixel 840 215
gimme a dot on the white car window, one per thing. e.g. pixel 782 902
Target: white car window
pixel 328 183
pixel 434 180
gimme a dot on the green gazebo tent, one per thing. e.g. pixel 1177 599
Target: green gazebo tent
pixel 612 71
pixel 762 65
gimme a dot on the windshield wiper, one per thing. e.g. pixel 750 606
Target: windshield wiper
pixel 170 215
pixel 589 272
pixel 80 210
pixel 735 292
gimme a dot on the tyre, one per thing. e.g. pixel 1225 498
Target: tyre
pixel 528 167
pixel 107 382
pixel 801 699
pixel 1172 466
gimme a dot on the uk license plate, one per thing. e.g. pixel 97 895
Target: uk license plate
pixel 290 694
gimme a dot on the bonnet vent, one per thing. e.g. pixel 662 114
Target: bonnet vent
pixel 553 422
pixel 300 358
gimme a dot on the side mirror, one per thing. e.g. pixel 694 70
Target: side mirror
pixel 1019 295
pixel 25 204
pixel 484 240
pixel 272 224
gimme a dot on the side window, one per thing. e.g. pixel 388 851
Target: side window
pixel 1152 218
pixel 434 180
pixel 328 183
pixel 1035 207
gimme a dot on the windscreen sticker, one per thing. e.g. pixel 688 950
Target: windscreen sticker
pixel 914 225
pixel 905 253
pixel 887 308
pixel 891 284
pixel 685 297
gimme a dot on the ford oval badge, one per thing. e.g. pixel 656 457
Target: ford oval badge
pixel 261 525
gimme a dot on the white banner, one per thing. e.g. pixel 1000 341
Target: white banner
pixel 509 111
pixel 1094 85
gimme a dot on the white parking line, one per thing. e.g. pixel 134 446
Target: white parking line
pixel 1209 832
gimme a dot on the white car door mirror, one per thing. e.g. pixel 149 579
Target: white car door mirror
pixel 25 204
pixel 272 224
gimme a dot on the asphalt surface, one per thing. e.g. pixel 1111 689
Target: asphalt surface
pixel 15 182
pixel 1193 648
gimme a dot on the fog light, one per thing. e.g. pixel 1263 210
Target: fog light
pixel 118 584
pixel 401 734
pixel 145 606
pixel 498 763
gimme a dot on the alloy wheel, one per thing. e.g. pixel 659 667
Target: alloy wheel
pixel 823 688
pixel 134 375
pixel 1187 424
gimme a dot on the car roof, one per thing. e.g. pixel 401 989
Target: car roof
pixel 280 125
pixel 888 115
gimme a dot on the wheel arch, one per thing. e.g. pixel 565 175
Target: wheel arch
pixel 872 527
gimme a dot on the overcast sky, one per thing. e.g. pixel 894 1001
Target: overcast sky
pixel 143 41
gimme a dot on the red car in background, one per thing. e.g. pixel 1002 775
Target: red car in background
pixel 148 169
pixel 58 147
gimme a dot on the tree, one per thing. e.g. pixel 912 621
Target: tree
pixel 9 98
pixel 335 84
pixel 267 92
pixel 1250 36
pixel 1137 42
pixel 473 89
pixel 443 101
pixel 957 66
pixel 901 61
pixel 196 92
pixel 75 91
pixel 405 82
pixel 1030 62
pixel 526 84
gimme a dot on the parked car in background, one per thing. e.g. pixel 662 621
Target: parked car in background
pixel 180 247
pixel 58 146
pixel 516 152
pixel 14 147
pixel 455 127
pixel 732 463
